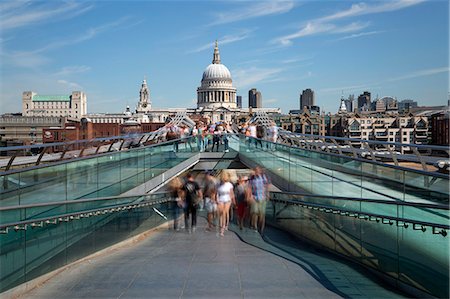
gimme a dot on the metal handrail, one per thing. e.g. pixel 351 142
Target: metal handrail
pixel 388 202
pixel 76 201
pixel 400 221
pixel 357 158
pixel 421 146
pixel 59 162
pixel 86 213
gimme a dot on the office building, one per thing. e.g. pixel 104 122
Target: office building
pixel 307 98
pixel 254 98
pixel 239 101
pixel 364 102
pixel 405 105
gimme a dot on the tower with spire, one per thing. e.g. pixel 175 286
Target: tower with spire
pixel 144 104
pixel 216 57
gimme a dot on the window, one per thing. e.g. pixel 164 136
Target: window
pixel 369 121
pixel 355 126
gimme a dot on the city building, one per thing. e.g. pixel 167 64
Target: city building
pixel 72 106
pixel 364 101
pixel 405 105
pixel 85 129
pixel 304 123
pixel 216 88
pixel 239 101
pixel 408 128
pixel 27 129
pixel 254 98
pixel 439 123
pixel 307 98
pixel 144 104
pixel 349 102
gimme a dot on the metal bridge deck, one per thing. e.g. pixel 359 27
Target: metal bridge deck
pixel 170 264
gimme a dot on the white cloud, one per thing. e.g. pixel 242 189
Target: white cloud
pixel 247 77
pixel 297 59
pixel 22 14
pixel 365 9
pixel 313 28
pixel 421 73
pixel 87 35
pixel 24 59
pixel 68 70
pixel 350 88
pixel 259 9
pixel 69 84
pixel 323 25
pixel 34 58
pixel 356 35
pixel 227 39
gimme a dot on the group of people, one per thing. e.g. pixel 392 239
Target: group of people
pixel 255 134
pixel 205 137
pixel 221 197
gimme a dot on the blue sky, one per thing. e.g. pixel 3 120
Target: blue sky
pixel 105 48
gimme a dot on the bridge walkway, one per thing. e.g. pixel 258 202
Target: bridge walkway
pixel 171 264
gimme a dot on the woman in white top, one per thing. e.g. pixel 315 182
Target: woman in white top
pixel 225 196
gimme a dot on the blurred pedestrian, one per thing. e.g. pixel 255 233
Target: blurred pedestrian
pixel 192 195
pixel 177 196
pixel 242 195
pixel 259 184
pixel 225 197
pixel 210 194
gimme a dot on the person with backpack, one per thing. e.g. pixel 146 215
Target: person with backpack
pixel 192 197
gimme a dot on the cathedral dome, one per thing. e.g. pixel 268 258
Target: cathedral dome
pixel 216 88
pixel 216 71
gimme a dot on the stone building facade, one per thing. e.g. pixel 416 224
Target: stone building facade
pixel 71 106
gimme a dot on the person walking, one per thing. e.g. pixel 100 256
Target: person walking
pixel 273 134
pixel 252 133
pixel 226 131
pixel 192 197
pixel 225 197
pixel 177 195
pixel 242 195
pixel 210 194
pixel 216 139
pixel 259 184
pixel 173 133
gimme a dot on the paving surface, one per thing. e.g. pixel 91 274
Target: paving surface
pixel 171 264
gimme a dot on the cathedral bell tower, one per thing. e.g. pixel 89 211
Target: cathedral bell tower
pixel 144 104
